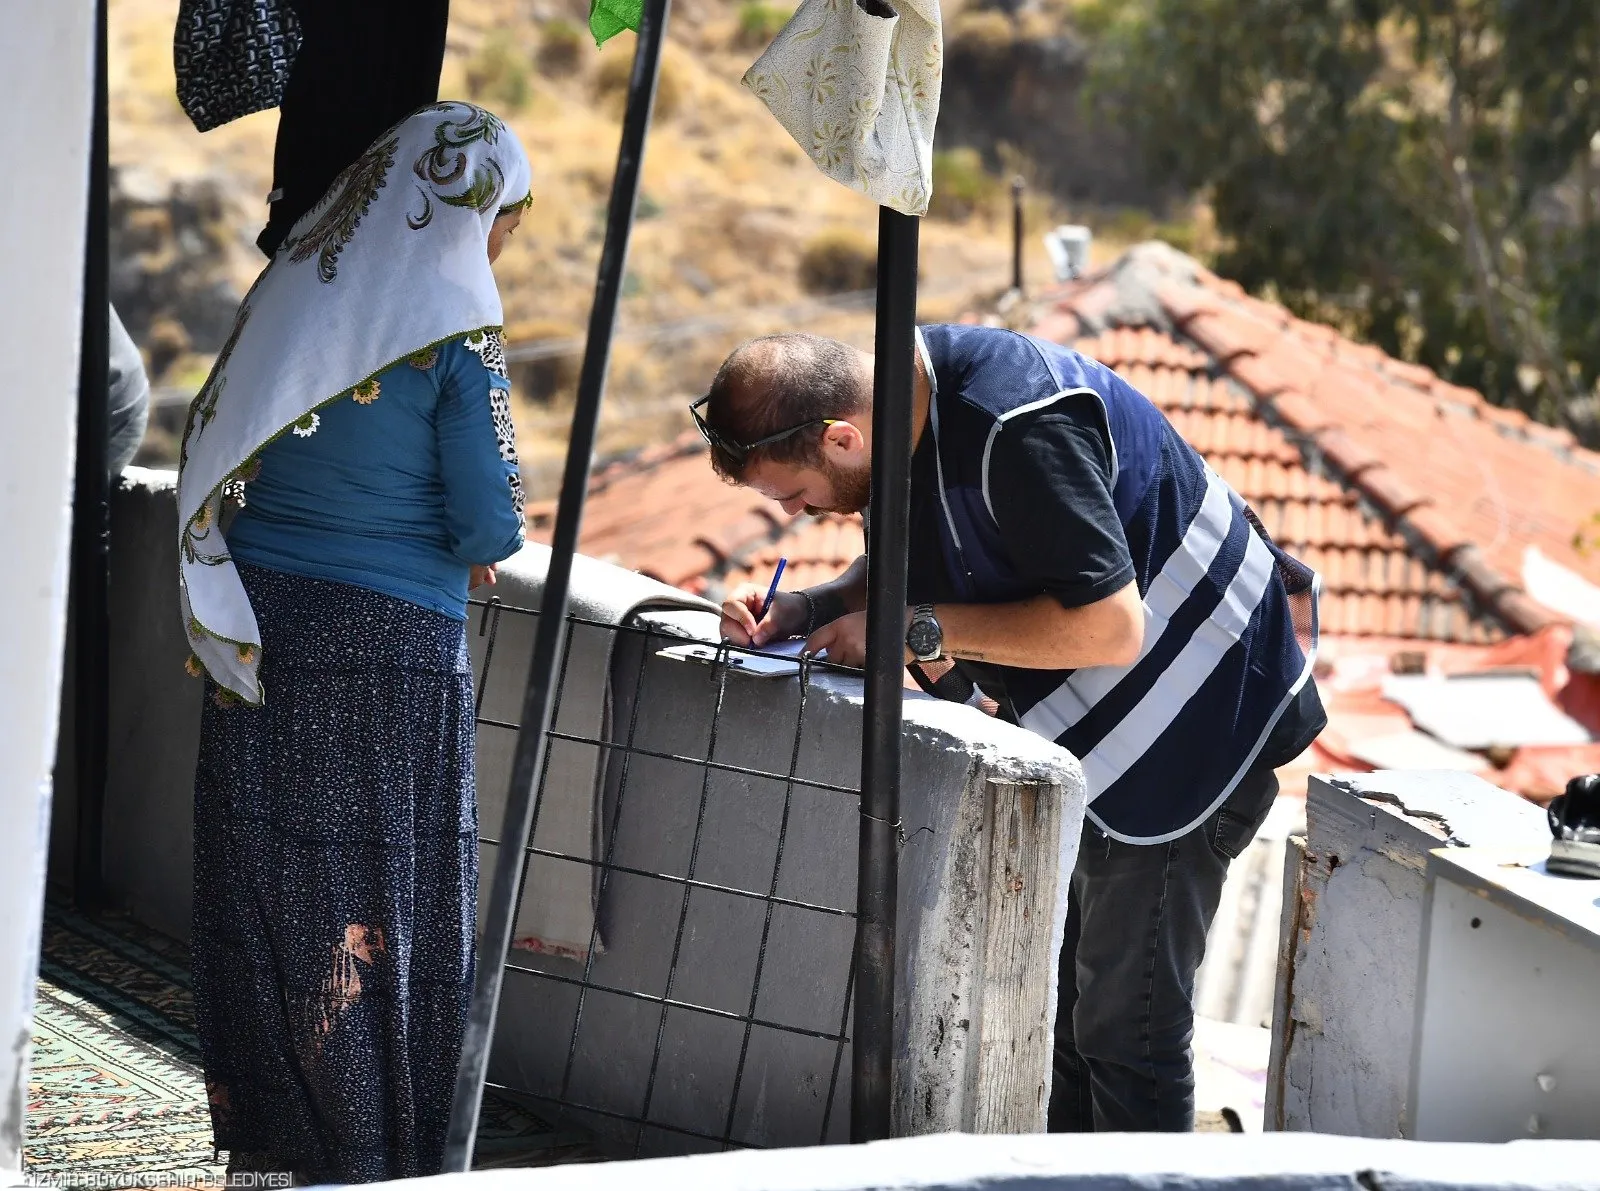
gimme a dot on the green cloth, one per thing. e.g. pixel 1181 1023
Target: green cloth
pixel 607 18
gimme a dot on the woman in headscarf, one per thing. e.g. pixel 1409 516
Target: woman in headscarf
pixel 359 413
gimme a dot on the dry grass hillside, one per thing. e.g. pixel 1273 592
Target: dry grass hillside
pixel 731 215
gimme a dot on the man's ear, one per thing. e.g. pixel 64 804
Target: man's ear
pixel 843 437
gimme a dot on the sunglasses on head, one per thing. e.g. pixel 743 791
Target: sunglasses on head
pixel 737 449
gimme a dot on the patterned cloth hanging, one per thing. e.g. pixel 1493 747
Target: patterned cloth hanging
pixel 856 83
pixel 233 57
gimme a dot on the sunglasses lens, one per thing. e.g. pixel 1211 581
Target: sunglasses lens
pixel 712 438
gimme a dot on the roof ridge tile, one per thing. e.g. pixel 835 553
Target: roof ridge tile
pixel 1390 492
pixel 1345 453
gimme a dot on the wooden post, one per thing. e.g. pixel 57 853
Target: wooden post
pixel 1017 896
pixel 1291 922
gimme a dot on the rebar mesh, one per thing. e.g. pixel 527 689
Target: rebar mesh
pixel 689 1038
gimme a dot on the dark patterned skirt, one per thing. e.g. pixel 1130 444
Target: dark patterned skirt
pixel 335 886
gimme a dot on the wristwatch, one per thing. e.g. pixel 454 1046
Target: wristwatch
pixel 924 637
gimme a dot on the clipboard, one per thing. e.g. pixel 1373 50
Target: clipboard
pixel 786 663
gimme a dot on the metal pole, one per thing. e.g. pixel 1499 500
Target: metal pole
pixel 549 642
pixel 91 515
pixel 1018 185
pixel 872 1046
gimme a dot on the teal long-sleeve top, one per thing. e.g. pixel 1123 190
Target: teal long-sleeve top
pixel 398 488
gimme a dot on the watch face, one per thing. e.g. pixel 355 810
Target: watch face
pixel 924 638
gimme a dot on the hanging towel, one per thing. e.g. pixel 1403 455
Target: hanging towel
pixel 857 86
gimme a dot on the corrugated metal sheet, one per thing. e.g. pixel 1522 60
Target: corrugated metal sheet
pixel 1413 750
pixel 1484 710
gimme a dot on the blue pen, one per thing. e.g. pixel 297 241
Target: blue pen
pixel 766 605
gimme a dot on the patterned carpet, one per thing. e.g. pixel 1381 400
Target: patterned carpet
pixel 115 1086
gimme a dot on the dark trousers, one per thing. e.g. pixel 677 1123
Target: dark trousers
pixel 1137 920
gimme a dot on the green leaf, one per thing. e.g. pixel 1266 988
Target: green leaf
pixel 607 18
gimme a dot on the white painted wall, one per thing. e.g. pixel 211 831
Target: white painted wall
pixel 1346 1005
pixel 45 84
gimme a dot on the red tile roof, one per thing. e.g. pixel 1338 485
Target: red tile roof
pixel 1413 498
pixel 1448 479
pixel 1372 583
pixel 665 513
pixel 817 548
pixel 1296 418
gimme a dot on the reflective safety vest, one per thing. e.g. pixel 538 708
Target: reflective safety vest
pixel 1229 618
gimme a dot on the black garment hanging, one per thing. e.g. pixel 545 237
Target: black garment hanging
pixel 363 66
pixel 232 57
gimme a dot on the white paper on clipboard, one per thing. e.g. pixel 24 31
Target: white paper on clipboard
pixel 786 665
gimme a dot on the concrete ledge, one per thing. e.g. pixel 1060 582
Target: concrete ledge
pixel 1104 1162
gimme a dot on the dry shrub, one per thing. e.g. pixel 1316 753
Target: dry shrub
pixel 839 260
pixel 960 183
pixel 166 342
pixel 562 48
pixel 984 34
pixel 497 75
pixel 549 378
pixel 759 23
pixel 611 82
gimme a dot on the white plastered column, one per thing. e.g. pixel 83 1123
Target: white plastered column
pixel 46 77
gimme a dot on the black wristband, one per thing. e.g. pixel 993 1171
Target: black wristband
pixel 811 613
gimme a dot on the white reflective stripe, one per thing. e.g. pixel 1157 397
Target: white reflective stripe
pixel 1153 714
pixel 1176 581
pixel 1250 760
pixel 933 420
pixel 999 423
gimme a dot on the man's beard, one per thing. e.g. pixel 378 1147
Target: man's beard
pixel 852 489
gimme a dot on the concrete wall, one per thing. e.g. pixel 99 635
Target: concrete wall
pixel 155 720
pixel 46 60
pixel 981 801
pixel 1352 932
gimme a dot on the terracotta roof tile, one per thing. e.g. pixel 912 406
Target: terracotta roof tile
pixel 1058 325
pixel 1183 302
pixel 1396 434
pixel 1409 373
pixel 817 548
pixel 665 514
pixel 1262 374
pixel 1226 337
pixel 1391 493
pixel 1437 528
pixel 1270 400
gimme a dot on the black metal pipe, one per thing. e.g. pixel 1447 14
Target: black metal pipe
pixel 550 639
pixel 1017 187
pixel 889 520
pixel 91 514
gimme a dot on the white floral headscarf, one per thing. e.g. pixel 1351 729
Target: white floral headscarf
pixel 392 262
